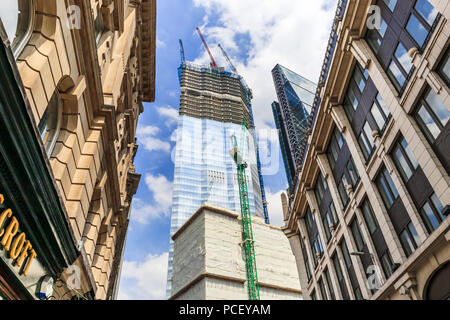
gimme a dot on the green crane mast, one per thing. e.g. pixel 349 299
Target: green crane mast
pixel 247 232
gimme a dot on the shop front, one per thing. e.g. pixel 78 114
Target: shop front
pixel 39 257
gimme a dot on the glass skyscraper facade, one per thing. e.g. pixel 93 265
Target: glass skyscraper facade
pixel 204 168
pixel 291 114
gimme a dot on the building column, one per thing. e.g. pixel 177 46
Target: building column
pixel 296 248
pixel 373 195
pixel 443 6
pixel 425 155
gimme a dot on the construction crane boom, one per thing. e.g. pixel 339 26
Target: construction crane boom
pixel 247 230
pixel 233 68
pixel 183 59
pixel 213 62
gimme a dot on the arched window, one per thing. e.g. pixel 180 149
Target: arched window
pixel 438 286
pixel 18 18
pixel 50 123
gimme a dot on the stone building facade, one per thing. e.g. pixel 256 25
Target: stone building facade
pixel 368 215
pixel 87 66
pixel 209 262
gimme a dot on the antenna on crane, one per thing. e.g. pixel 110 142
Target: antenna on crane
pixel 183 59
pixel 213 62
pixel 233 68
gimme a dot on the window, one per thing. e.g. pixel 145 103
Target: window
pixel 366 141
pixel 359 79
pixel 306 259
pixel 431 213
pixel 322 289
pixel 358 294
pixel 359 240
pixel 368 217
pixel 309 220
pixel 386 264
pixel 391 4
pixel 387 188
pixel 18 17
pixel 317 249
pixel 404 159
pixel 50 123
pixel 346 254
pixel 400 67
pixel 321 187
pixel 432 115
pixel 334 214
pixel 99 27
pixel 338 269
pixel 375 36
pixel 421 21
pixel 444 68
pixel 409 239
pixel 380 113
pixel 326 226
pixel 342 188
pixel 352 172
pixel 336 144
pixel 350 104
pixel 330 285
pixel 340 277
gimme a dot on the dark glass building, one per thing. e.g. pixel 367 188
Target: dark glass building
pixel 296 96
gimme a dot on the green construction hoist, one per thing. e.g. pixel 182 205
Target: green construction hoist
pixel 247 232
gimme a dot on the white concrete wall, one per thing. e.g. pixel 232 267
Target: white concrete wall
pixel 210 243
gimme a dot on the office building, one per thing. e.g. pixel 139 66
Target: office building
pixel 368 215
pixel 291 114
pixel 74 79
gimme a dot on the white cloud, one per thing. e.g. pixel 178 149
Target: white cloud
pixel 146 137
pixel 171 114
pixel 144 280
pixel 161 189
pixel 292 33
pixel 160 43
pixel 274 207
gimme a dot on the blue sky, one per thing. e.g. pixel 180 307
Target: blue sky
pixel 257 34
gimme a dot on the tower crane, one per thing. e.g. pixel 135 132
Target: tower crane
pixel 233 68
pixel 247 232
pixel 213 62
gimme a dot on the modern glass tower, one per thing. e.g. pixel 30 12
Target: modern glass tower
pixel 213 105
pixel 291 114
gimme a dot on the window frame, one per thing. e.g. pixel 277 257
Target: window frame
pixel 388 183
pixel 424 103
pixel 406 156
pixel 429 28
pixel 329 284
pixel 435 211
pixel 440 70
pixel 25 26
pixel 411 237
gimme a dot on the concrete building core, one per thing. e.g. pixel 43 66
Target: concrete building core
pixel 208 262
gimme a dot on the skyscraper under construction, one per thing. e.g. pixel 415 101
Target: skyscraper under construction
pixel 213 105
